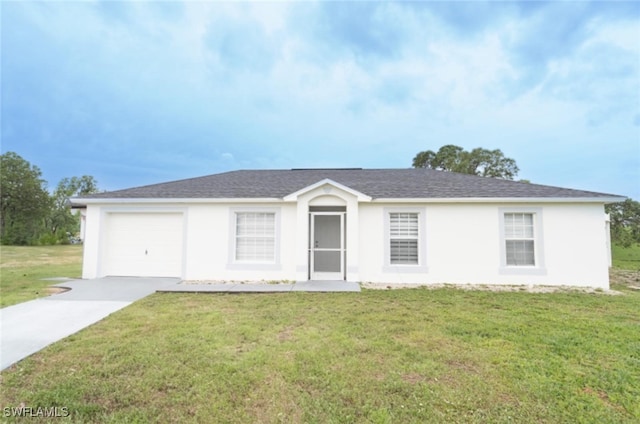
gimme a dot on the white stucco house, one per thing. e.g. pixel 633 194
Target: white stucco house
pixel 414 226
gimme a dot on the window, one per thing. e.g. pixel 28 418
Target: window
pixel 255 236
pixel 519 239
pixel 403 238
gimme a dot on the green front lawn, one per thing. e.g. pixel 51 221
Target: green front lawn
pixel 22 269
pixel 414 355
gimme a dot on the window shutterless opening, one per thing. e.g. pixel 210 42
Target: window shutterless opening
pixel 521 241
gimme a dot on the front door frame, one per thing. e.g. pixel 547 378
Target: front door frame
pixel 332 276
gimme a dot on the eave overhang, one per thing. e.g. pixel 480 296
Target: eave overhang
pixel 165 200
pixel 79 203
pixel 603 200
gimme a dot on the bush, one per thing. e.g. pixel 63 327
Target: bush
pixel 48 239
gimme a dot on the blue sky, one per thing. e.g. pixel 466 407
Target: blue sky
pixel 136 93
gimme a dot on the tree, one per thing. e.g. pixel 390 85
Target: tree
pixel 24 199
pixel 61 221
pixel 625 222
pixel 479 161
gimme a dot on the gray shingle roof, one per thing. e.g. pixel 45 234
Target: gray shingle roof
pixel 376 183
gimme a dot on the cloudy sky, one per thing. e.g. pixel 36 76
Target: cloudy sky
pixel 135 93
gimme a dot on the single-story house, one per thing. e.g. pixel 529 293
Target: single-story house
pixel 412 226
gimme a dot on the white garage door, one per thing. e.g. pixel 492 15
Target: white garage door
pixel 143 245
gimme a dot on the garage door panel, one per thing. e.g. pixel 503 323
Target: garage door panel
pixel 144 244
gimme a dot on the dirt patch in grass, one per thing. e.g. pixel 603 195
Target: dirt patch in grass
pixel 413 378
pixel 55 290
pixel 603 396
pixel 491 287
pixel 625 277
pixel 464 366
pixel 286 334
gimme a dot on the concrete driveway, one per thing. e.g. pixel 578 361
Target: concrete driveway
pixel 28 327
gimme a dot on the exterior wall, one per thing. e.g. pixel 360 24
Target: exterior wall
pixel 463 245
pixel 576 246
pixel 462 241
pixel 91 242
pixel 210 236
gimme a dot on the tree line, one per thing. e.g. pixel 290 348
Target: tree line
pixel 30 215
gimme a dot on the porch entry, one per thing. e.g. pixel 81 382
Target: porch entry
pixel 327 245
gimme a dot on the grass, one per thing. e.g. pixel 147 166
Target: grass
pixel 626 257
pixel 417 355
pixel 22 270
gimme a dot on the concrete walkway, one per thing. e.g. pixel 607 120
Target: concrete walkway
pixel 301 286
pixel 28 327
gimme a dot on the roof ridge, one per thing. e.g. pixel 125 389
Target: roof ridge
pixel 327 169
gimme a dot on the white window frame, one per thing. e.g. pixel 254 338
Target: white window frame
pixel 522 222
pixel 244 264
pixel 421 266
pixel 413 218
pixel 538 242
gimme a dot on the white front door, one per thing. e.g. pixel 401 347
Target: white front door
pixel 327 246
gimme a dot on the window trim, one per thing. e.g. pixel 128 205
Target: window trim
pixel 538 243
pixel 421 266
pixel 232 262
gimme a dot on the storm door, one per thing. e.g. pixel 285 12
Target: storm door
pixel 327 246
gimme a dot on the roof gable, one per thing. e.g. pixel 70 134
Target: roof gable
pixel 328 182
